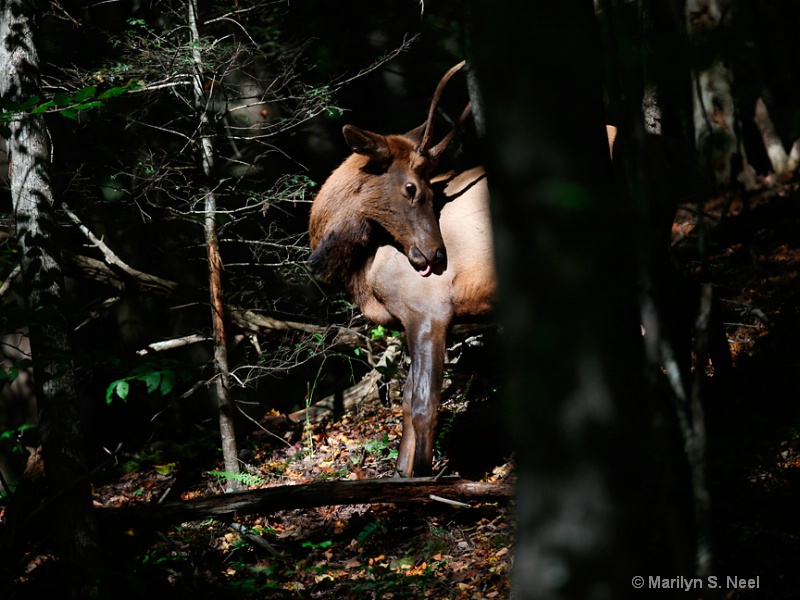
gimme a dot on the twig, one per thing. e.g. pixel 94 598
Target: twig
pixel 254 322
pixel 261 427
pixel 112 259
pixel 436 498
pixel 11 277
pixel 8 491
pixel 95 313
pixel 252 537
pixel 173 343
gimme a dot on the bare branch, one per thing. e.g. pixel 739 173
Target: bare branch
pixel 112 259
pixel 9 280
pixel 173 343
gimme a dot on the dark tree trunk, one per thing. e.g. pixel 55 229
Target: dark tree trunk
pixel 61 437
pixel 647 51
pixel 567 300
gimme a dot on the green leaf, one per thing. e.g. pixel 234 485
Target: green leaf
pixel 120 387
pixel 13 370
pixel 113 92
pixel 61 100
pixel 378 332
pixel 153 381
pixel 29 103
pixel 38 110
pixel 168 379
pixel 87 105
pixel 70 113
pixel 85 93
pixel 165 469
pixel 318 545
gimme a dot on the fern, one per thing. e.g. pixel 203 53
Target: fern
pixel 370 530
pixel 248 479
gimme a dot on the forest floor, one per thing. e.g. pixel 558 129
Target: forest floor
pixel 753 412
pixel 429 550
pixel 435 550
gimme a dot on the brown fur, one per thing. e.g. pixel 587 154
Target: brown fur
pixel 367 236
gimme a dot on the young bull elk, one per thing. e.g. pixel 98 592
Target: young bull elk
pixel 409 250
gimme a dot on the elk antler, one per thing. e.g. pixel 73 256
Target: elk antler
pixel 437 150
pixel 426 137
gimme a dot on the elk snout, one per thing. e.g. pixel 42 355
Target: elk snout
pixel 424 263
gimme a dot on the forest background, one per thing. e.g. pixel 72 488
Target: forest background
pixel 184 144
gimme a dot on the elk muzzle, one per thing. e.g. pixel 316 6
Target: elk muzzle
pixel 425 262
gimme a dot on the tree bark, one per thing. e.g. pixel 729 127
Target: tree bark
pixel 715 125
pixel 60 428
pixel 566 299
pixel 222 386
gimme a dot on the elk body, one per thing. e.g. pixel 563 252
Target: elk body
pixel 411 251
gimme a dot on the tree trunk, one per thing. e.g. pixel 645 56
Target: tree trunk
pixel 60 429
pixel 567 300
pixel 671 306
pixel 715 124
pixel 222 386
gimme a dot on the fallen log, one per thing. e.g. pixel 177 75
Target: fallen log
pixel 324 493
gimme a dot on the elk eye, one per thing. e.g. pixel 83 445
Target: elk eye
pixel 411 190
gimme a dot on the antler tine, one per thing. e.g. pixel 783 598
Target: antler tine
pixel 441 146
pixel 426 138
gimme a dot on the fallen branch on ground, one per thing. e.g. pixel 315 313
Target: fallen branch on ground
pixel 323 493
pixel 254 322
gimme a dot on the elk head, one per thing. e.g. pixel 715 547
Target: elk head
pixel 397 193
pixel 384 183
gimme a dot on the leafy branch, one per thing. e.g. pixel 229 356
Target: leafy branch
pixel 159 379
pixel 69 105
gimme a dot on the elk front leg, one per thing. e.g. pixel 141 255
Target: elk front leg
pixel 426 344
pixel 405 456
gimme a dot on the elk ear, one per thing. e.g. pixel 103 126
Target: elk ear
pixel 367 143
